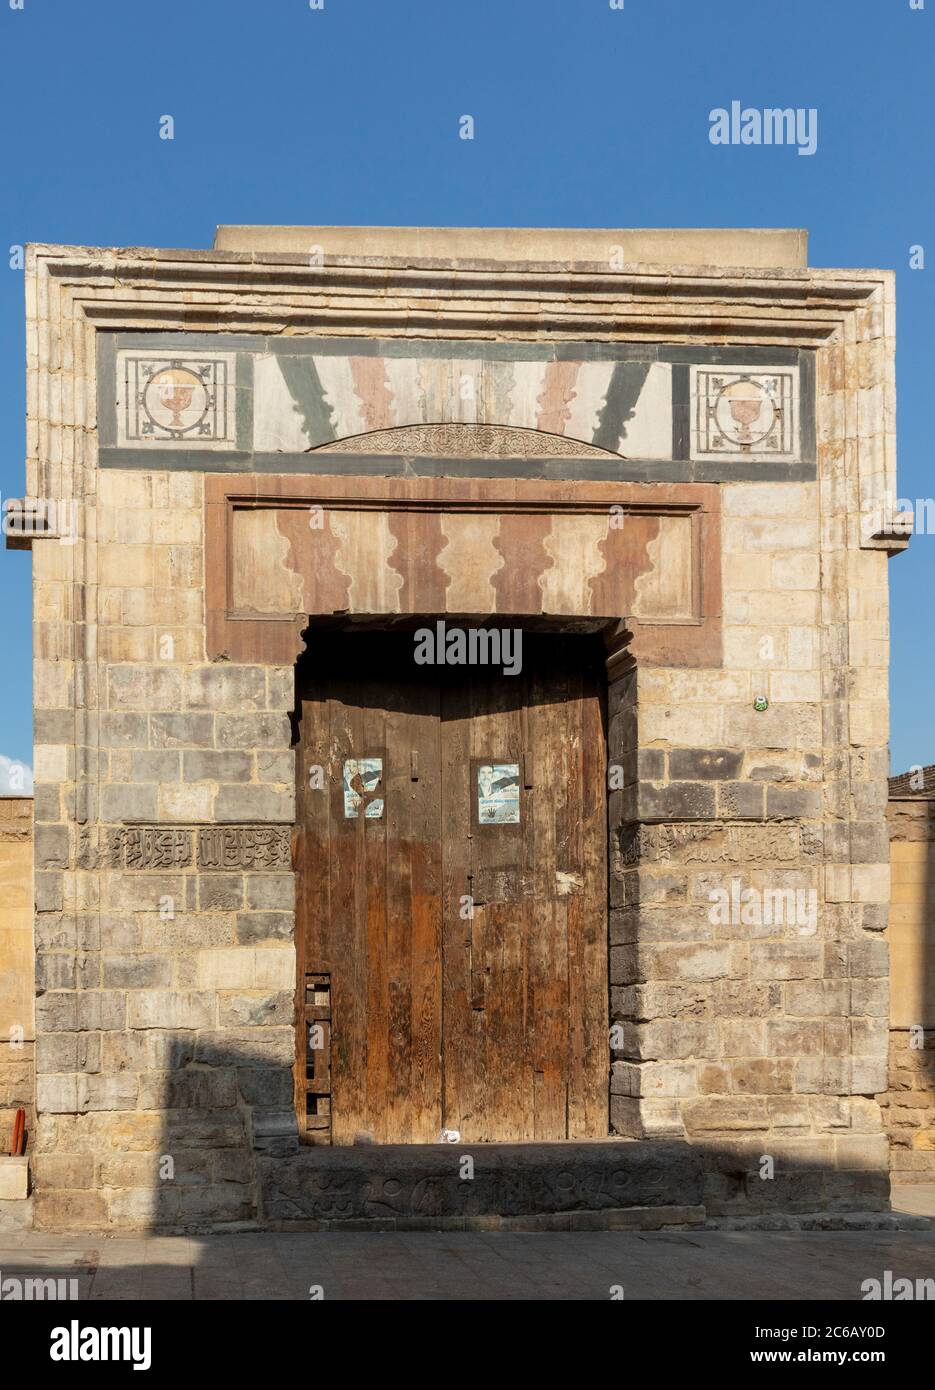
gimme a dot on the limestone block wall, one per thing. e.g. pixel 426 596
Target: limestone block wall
pixel 166 954
pixel 908 1100
pixel 748 963
pixel 17 968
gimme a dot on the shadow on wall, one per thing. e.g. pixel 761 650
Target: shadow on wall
pixel 219 1157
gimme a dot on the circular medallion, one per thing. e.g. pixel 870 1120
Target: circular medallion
pixel 745 412
pixel 176 399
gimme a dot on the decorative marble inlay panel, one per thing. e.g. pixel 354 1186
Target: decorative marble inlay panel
pixel 344 406
pixel 743 413
pixel 315 398
pixel 175 400
pixel 573 563
pixel 281 550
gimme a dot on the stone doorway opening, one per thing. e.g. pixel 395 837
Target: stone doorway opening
pixel 452 891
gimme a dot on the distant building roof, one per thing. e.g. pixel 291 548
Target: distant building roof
pixel 918 781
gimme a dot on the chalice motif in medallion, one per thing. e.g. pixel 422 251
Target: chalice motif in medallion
pixel 175 398
pixel 745 412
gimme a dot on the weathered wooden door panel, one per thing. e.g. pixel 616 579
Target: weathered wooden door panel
pixel 532 1060
pixel 467 957
pixel 373 907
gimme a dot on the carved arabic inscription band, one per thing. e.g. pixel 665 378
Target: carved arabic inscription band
pixel 217 847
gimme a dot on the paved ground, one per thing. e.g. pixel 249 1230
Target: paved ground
pixel 573 1265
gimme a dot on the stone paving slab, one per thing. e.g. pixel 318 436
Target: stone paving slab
pixel 488 1266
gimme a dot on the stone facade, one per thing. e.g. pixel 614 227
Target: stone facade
pixel 17 1003
pixel 164 763
pixel 909 1099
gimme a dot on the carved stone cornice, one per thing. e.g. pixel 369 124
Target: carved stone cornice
pixel 156 288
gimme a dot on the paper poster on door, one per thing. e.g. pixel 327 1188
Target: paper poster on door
pixel 362 777
pixel 498 794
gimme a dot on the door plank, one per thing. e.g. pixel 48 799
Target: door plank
pixel 589 979
pixel 426 909
pixel 548 716
pixel 460 930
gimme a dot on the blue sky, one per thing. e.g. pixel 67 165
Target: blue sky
pixel 584 116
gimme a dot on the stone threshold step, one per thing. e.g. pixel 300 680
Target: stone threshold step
pixel 609 1219
pixel 822 1221
pixel 433 1183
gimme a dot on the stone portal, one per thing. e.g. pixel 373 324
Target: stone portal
pixel 685 464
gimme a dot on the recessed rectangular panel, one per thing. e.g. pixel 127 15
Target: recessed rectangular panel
pixel 575 563
pixel 745 413
pixel 176 399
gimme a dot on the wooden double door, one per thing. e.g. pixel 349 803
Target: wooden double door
pixel 452 893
